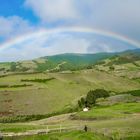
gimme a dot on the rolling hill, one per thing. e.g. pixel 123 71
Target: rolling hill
pixel 54 63
pixel 72 62
pixel 48 86
pixel 44 93
pixel 36 92
pixel 126 64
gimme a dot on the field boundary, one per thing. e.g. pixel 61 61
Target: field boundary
pixel 50 129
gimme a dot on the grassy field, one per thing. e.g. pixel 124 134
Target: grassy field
pixel 115 122
pixel 74 135
pixel 49 88
pixel 57 94
pixel 109 112
pixel 128 70
pixel 116 117
pixel 19 127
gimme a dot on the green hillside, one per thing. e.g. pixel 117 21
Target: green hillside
pixel 36 93
pixel 54 63
pixel 64 62
pixel 126 64
pixel 45 93
pixel 49 86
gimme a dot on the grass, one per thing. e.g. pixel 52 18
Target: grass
pixel 58 94
pixel 127 69
pixel 109 112
pixel 74 135
pixel 49 96
pixel 19 127
pixel 137 79
pixel 27 118
pixel 120 121
pixel 124 128
pixel 116 99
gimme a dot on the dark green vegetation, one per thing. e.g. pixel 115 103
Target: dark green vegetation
pixel 77 61
pixel 37 80
pixel 54 63
pixel 91 97
pixel 14 86
pixel 133 92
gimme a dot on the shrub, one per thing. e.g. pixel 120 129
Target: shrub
pixel 92 96
pixel 37 80
pixel 112 68
pixel 82 102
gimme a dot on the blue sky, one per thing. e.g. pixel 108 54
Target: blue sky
pixel 16 7
pixel 22 18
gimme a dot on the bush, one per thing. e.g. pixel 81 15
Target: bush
pixel 92 96
pixel 112 68
pixel 82 102
pixel 37 80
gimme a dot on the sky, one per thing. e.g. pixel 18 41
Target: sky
pixel 31 28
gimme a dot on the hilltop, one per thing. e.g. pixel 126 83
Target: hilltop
pixel 126 64
pixel 54 63
pixel 73 62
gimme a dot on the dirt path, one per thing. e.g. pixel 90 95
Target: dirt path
pixel 59 128
pixel 53 120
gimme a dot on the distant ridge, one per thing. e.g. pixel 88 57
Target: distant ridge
pixel 62 62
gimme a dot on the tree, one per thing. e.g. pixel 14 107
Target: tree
pixel 82 102
pixel 99 93
pixel 92 96
pixel 79 104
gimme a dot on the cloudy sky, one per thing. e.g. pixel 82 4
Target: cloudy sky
pixel 31 28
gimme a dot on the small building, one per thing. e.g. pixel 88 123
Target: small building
pixel 85 109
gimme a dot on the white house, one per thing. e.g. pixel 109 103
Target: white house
pixel 85 109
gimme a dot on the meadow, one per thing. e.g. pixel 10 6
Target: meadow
pixel 120 121
pixel 74 135
pixel 36 101
pixel 45 93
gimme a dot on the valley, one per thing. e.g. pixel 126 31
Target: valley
pixel 47 94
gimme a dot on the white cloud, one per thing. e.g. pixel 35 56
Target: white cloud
pixel 58 43
pixel 53 10
pixel 116 15
pixel 38 47
pixel 68 45
pixel 13 26
pixel 121 16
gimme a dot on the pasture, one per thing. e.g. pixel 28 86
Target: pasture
pixel 29 94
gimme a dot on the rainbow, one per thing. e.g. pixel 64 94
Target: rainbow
pixel 43 32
